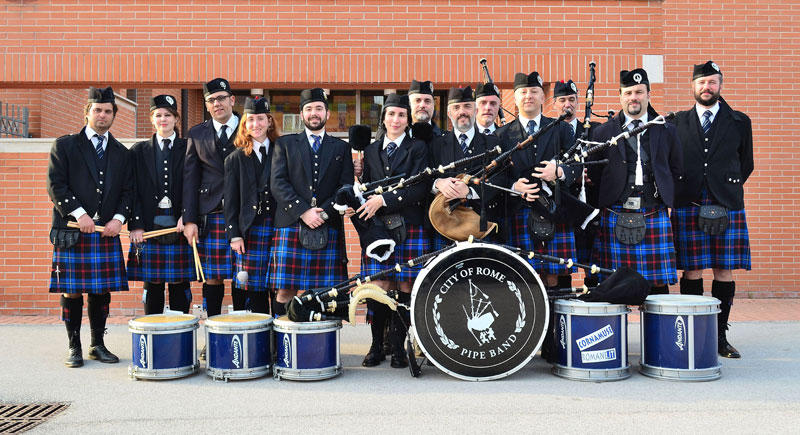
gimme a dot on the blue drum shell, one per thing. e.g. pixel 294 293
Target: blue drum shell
pixel 163 346
pixel 679 337
pixel 307 350
pixel 591 340
pixel 238 345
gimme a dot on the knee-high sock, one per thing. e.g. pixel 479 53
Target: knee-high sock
pixel 692 286
pixel 153 297
pixel 213 294
pixel 724 291
pixel 98 305
pixel 71 314
pixel 180 296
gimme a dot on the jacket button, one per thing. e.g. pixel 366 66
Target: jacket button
pixel 255 208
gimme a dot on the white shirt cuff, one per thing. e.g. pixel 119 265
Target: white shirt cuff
pixel 119 217
pixel 77 213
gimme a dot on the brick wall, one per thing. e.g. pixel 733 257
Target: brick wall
pixel 372 44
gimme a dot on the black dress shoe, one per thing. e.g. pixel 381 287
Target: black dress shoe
pixel 374 357
pixel 203 354
pixel 102 354
pixel 726 350
pixel 75 358
pixel 399 361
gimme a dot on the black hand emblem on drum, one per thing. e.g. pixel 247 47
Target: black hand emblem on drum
pixel 480 311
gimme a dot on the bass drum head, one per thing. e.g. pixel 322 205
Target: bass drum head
pixel 480 311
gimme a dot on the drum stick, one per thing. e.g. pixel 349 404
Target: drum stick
pixel 161 232
pixel 97 228
pixel 197 265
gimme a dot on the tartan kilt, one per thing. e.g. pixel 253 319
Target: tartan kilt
pixel 415 245
pixel 215 251
pixel 562 245
pixel 294 267
pixel 653 257
pixel 93 265
pixel 696 250
pixel 257 249
pixel 161 263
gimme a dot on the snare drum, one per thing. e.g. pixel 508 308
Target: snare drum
pixel 307 351
pixel 592 341
pixel 164 346
pixel 480 311
pixel 239 345
pixel 679 338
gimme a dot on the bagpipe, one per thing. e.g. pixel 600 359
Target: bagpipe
pixel 340 300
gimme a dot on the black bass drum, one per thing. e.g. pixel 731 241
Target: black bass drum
pixel 480 312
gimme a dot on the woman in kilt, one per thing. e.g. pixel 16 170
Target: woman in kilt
pixel 249 208
pixel 392 154
pixel 158 169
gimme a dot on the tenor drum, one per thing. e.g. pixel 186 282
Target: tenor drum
pixel 480 312
pixel 307 351
pixel 679 338
pixel 164 346
pixel 239 345
pixel 592 341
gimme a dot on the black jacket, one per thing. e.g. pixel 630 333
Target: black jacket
pixel 612 179
pixel 728 163
pixel 242 187
pixel 447 149
pixel 204 171
pixel 548 146
pixel 410 159
pixel 148 190
pixel 73 181
pixel 291 176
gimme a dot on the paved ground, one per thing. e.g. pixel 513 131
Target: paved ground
pixel 759 393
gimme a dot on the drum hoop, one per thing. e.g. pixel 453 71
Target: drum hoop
pixel 460 246
pixel 681 304
pixel 581 308
pixel 161 328
pixel 322 326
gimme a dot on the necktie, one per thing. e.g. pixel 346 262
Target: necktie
pixel 706 121
pixel 390 149
pixel 99 147
pixel 463 138
pixel 166 145
pixel 531 127
pixel 223 135
pixel 573 129
pixel 486 131
pixel 635 123
pixel 316 144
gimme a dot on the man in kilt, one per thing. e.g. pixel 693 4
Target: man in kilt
pixel 208 144
pixel 636 187
pixel 718 159
pixel 308 168
pixel 392 154
pixel 464 140
pixel 565 100
pixel 89 180
pixel 158 169
pixel 535 173
pixel 249 207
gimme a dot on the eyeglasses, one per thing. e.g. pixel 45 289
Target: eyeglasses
pixel 219 99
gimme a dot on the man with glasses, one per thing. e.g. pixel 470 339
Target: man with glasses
pixel 208 143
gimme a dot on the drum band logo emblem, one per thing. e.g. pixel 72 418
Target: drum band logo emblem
pixel 236 347
pixel 143 351
pixel 680 333
pixel 480 316
pixel 287 351
pixel 562 325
